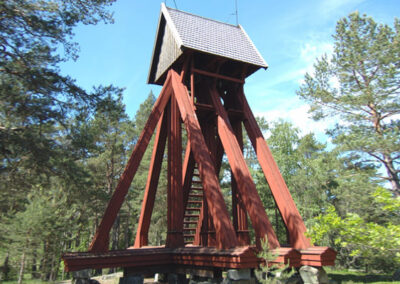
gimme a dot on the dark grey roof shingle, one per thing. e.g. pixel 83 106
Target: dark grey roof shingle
pixel 178 30
pixel 215 37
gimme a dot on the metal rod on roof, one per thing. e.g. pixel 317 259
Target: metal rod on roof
pixel 236 12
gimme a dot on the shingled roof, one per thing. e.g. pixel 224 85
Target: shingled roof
pixel 178 31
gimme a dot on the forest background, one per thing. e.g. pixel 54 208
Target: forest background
pixel 63 147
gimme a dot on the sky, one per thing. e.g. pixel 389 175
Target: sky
pixel 289 34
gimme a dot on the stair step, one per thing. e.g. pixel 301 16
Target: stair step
pixel 189 236
pixel 189 229
pixel 191 216
pixel 192 209
pixel 196 188
pixel 195 202
pixel 189 222
pixel 197 181
pixel 196 175
pixel 195 195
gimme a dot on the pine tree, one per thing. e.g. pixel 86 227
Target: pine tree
pixel 359 86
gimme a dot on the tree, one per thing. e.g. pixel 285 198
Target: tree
pixel 359 85
pixel 39 151
pixel 365 242
pixel 36 101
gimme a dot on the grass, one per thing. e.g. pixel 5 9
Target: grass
pixel 347 276
pixel 25 281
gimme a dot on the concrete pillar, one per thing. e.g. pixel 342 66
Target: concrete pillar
pixel 313 275
pixel 239 276
pixel 81 276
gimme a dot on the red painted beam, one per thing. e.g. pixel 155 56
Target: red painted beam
pixel 239 213
pixel 187 173
pixel 225 234
pixel 280 192
pixel 152 183
pixel 101 237
pixel 216 75
pixel 246 187
pixel 175 194
pixel 143 258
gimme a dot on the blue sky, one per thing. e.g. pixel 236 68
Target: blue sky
pixel 289 35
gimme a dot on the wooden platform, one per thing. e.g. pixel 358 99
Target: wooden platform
pixel 193 256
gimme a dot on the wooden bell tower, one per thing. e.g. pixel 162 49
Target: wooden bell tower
pixel 202 65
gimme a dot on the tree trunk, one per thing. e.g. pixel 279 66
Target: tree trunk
pixel 22 268
pixel 6 268
pixel 115 238
pixel 392 174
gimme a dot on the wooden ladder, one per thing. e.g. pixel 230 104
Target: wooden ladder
pixel 194 208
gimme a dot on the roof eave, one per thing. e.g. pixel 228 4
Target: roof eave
pixel 157 39
pixel 265 65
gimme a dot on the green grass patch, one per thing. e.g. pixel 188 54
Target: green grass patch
pixel 349 276
pixel 25 281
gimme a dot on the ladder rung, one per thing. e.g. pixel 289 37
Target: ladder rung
pixel 196 181
pixel 196 174
pixel 196 188
pixel 189 236
pixel 189 222
pixel 192 209
pixel 195 202
pixel 195 195
pixel 190 216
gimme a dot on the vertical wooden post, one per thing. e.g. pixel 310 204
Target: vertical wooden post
pixel 209 132
pixel 152 183
pixel 238 211
pixel 175 194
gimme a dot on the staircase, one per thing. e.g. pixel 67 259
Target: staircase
pixel 193 208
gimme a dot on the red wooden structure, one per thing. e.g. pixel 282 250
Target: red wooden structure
pixel 202 65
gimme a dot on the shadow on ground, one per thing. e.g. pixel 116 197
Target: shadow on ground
pixel 340 278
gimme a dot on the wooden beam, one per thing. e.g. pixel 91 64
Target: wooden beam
pixel 280 192
pixel 152 183
pixel 187 173
pixel 246 186
pixel 216 75
pixel 225 233
pixel 238 210
pixel 206 229
pixel 101 237
pixel 175 194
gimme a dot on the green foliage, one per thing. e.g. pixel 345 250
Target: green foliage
pixel 269 271
pixel 358 85
pixel 367 242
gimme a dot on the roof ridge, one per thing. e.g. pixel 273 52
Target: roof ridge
pixel 205 18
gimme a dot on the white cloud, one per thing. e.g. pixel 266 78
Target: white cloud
pixel 331 7
pixel 298 115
